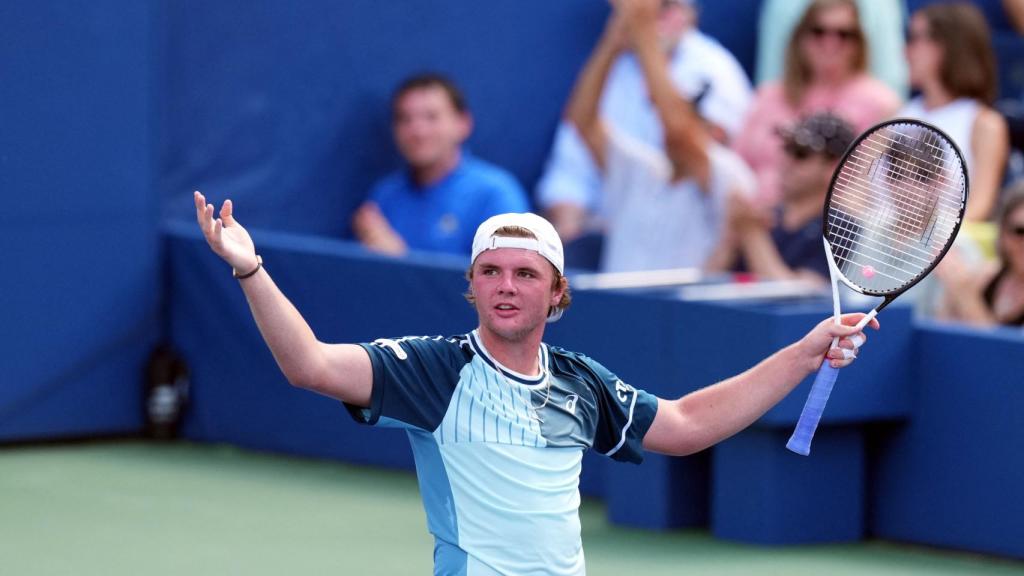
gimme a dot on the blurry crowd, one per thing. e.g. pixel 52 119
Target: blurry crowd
pixel 667 156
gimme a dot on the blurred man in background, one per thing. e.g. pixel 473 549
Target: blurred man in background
pixel 443 193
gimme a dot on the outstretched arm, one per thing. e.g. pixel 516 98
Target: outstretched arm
pixel 708 416
pixel 342 371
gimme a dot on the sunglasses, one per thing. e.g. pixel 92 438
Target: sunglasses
pixel 844 34
pixel 801 152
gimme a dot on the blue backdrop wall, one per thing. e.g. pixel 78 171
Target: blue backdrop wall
pixel 79 244
pixel 113 111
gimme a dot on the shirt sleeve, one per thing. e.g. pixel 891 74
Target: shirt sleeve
pixel 570 175
pixel 632 167
pixel 624 415
pixel 413 380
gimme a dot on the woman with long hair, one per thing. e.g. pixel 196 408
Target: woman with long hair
pixel 824 71
pixel 949 53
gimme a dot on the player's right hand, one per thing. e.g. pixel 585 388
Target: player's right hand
pixel 226 237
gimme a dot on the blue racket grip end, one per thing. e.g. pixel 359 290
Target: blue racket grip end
pixel 800 442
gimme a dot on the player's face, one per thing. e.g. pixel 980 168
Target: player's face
pixel 428 129
pixel 513 292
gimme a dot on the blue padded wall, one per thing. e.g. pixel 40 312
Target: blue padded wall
pixel 79 245
pixel 285 105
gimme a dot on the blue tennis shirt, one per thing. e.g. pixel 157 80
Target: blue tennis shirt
pixel 442 217
pixel 498 454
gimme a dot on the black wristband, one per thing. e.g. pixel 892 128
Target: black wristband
pixel 259 264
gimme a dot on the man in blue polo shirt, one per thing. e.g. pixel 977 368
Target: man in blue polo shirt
pixel 443 193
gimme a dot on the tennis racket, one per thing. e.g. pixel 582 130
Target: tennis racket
pixel 894 206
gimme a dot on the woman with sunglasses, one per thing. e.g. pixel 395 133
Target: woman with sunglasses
pixel 951 62
pixel 825 70
pixel 995 294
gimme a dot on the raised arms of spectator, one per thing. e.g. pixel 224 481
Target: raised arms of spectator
pixel 710 415
pixel 583 110
pixel 342 371
pixel 685 137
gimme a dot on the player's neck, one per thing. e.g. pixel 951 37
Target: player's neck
pixel 519 355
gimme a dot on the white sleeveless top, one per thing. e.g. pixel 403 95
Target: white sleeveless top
pixel 956 119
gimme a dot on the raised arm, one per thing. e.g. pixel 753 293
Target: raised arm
pixel 583 110
pixel 708 416
pixel 341 371
pixel 685 137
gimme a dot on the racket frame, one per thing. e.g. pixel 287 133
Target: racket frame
pixel 822 387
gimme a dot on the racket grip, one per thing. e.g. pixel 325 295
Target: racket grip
pixel 800 441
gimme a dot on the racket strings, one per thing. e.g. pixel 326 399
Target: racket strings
pixel 895 205
pixel 900 169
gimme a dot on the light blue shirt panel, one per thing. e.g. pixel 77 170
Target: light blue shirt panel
pixel 517 507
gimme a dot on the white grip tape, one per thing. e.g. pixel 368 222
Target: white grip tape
pixel 857 340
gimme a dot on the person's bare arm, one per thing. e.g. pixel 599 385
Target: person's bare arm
pixel 685 138
pixel 990 147
pixel 708 416
pixel 342 371
pixel 963 298
pixel 583 109
pixel 372 228
pixel 1015 14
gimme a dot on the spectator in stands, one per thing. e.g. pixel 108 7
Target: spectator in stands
pixel 665 205
pixel 700 68
pixel 883 22
pixel 824 70
pixel 951 63
pixel 789 246
pixel 991 293
pixel 436 202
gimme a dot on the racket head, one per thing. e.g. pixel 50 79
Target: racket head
pixel 894 206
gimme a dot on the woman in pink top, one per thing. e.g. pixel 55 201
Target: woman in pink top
pixel 825 65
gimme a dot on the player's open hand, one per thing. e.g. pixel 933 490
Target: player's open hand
pixel 225 235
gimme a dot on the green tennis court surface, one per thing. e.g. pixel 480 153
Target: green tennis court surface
pixel 133 508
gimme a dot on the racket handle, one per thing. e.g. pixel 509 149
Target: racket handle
pixel 800 441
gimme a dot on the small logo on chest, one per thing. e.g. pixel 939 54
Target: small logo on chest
pixel 570 403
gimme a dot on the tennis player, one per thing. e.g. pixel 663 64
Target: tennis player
pixel 498 420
